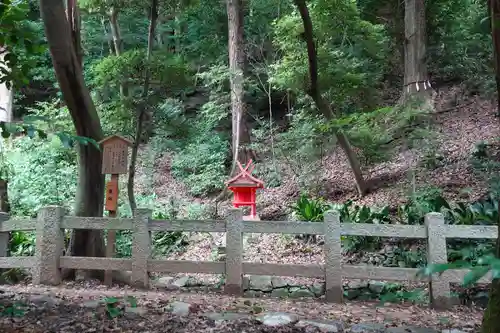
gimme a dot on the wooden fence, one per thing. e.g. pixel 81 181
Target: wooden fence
pixel 50 222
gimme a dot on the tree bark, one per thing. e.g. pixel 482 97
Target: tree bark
pixel 109 38
pixel 118 43
pixel 491 317
pixel 416 78
pixel 90 191
pixel 142 106
pixel 494 14
pixel 322 105
pixel 115 31
pixel 240 131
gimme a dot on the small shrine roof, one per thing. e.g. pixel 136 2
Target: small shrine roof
pixel 244 178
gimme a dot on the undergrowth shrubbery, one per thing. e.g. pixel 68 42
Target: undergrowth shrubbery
pixel 482 212
pixel 43 173
pixel 201 164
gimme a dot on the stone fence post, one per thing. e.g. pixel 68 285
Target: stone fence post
pixel 234 252
pixel 439 287
pixel 4 236
pixel 141 248
pixel 49 245
pixel 333 256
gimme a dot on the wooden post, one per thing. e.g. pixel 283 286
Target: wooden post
pixel 112 208
pixel 114 162
pixel 141 248
pixel 234 252
pixel 49 245
pixel 333 256
pixel 439 287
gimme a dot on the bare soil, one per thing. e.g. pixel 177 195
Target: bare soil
pixel 64 309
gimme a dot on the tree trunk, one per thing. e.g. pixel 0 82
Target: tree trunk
pixel 494 13
pixel 4 198
pixel 90 191
pixel 416 78
pixel 115 31
pixel 240 131
pixel 142 106
pixel 491 317
pixel 159 33
pixel 118 43
pixel 109 38
pixel 322 105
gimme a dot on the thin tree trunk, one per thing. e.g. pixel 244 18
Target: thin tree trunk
pixel 159 33
pixel 118 43
pixel 109 38
pixel 90 191
pixel 494 13
pixel 321 104
pixel 416 78
pixel 115 31
pixel 240 131
pixel 143 106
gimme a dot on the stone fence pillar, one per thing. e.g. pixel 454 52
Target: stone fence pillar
pixel 234 252
pixel 141 248
pixel 49 245
pixel 439 286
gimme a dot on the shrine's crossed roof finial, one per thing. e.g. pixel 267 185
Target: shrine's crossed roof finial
pixel 245 175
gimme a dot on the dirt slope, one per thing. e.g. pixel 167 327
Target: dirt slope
pixel 460 122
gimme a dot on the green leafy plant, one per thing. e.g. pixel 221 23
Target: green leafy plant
pixel 309 209
pixel 350 213
pixel 115 306
pixel 22 243
pixel 14 309
pixel 420 203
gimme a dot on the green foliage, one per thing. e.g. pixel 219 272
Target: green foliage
pixel 350 54
pixel 350 213
pixel 201 164
pixel 20 41
pixel 50 116
pixel 378 134
pixel 484 265
pixel 313 209
pixel 22 243
pixel 482 212
pixel 302 146
pixel 15 309
pixel 171 71
pixel 171 126
pixel 420 203
pixel 459 35
pixel 164 243
pixel 44 173
pixel 309 209
pixel 116 306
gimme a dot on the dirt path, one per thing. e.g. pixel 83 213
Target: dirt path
pixel 68 305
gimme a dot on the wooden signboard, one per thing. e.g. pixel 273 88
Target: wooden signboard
pixel 115 155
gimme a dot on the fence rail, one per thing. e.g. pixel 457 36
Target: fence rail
pixel 50 222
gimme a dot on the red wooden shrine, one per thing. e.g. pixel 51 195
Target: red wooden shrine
pixel 244 187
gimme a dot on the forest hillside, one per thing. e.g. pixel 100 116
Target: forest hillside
pixel 461 124
pixel 384 110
